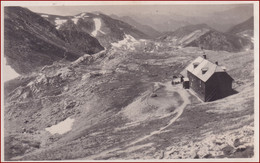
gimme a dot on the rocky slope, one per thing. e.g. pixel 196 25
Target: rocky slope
pixel 187 34
pixel 244 26
pixel 201 35
pixel 119 104
pixel 244 29
pixel 108 98
pixel 32 42
pixel 106 29
pixel 224 20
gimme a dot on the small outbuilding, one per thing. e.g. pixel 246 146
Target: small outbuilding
pixel 208 80
pixel 186 83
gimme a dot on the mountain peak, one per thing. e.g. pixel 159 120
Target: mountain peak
pixel 246 25
pixel 31 41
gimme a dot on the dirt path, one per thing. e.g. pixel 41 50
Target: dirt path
pixel 178 111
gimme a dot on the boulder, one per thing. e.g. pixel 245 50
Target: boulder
pixel 153 95
pixel 237 143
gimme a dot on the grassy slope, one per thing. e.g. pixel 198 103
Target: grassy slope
pixel 102 89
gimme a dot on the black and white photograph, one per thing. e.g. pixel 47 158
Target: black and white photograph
pixel 130 81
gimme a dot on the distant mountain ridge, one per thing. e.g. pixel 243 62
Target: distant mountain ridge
pixel 247 25
pixel 184 35
pixel 202 35
pixel 217 41
pixel 106 29
pixel 148 30
pixel 224 20
pixel 183 31
pixel 221 21
pixel 32 42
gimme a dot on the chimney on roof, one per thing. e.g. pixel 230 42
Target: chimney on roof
pixel 224 68
pixel 204 70
pixel 195 64
pixel 204 56
pixel 216 62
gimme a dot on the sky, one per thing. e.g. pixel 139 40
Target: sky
pixel 122 10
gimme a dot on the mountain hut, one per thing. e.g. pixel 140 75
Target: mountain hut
pixel 208 80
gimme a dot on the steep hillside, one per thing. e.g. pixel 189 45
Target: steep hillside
pixel 186 34
pixel 244 29
pixel 149 31
pixel 32 42
pixel 203 36
pixel 224 20
pixel 213 40
pixel 119 104
pixel 106 29
pixel 244 26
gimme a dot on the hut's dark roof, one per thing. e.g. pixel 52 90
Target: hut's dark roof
pixel 203 63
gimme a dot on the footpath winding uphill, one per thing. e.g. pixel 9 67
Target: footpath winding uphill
pixel 162 102
pixel 177 112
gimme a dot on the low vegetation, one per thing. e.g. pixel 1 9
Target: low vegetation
pixel 109 96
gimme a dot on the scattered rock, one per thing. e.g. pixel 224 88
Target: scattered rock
pixel 237 143
pixel 153 95
pixel 23 130
pixel 218 143
pixel 55 110
pixel 228 150
pixel 65 73
pixel 85 76
pixel 26 95
pixel 42 79
pixel 196 156
pixel 16 93
pixel 111 57
pixel 71 105
pixel 66 88
pixel 241 149
pixel 86 59
pixel 208 156
pixel 161 155
pixel 95 74
pixel 244 152
pixel 157 86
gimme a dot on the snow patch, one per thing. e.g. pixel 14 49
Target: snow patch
pixel 59 22
pixel 62 127
pixel 98 24
pixel 127 39
pixel 8 72
pixel 75 20
pixel 82 15
pixel 45 16
pixel 128 42
pixel 77 17
pixel 190 37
